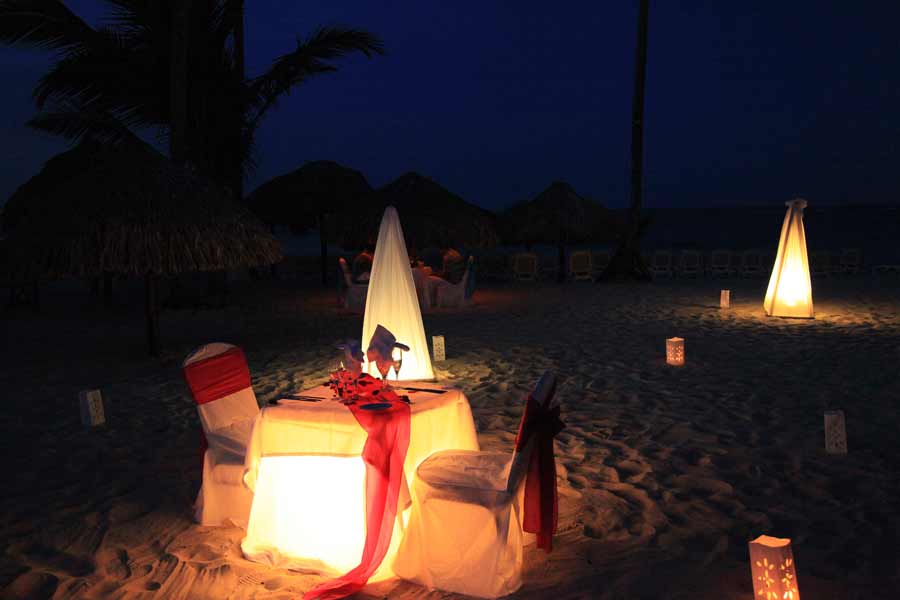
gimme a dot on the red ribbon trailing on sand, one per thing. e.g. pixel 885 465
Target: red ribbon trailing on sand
pixel 384 454
pixel 216 377
pixel 541 500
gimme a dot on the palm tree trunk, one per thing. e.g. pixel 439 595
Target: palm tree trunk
pixel 107 289
pixel 627 262
pixel 152 314
pixel 178 101
pixel 323 246
pixel 240 66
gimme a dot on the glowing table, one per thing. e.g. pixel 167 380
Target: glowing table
pixel 303 463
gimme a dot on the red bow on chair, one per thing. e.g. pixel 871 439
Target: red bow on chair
pixel 541 502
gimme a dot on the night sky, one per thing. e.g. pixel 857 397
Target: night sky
pixel 747 102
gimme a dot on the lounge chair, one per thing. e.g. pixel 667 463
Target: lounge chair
pixel 465 530
pixel 581 266
pixel 751 264
pixel 525 266
pixel 850 261
pixel 219 380
pixel 689 264
pixel 662 263
pixel 355 293
pixel 720 263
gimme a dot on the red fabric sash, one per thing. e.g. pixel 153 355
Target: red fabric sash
pixel 541 500
pixel 216 377
pixel 384 454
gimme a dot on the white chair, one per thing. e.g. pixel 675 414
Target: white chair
pixel 720 263
pixel 850 261
pixel 580 266
pixel 819 263
pixel 600 260
pixel 751 264
pixel 662 263
pixel 525 266
pixel 465 529
pixel 355 294
pixel 453 295
pixel 424 288
pixel 689 264
pixel 219 380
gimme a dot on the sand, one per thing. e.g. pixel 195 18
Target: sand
pixel 664 473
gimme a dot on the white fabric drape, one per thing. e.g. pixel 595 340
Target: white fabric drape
pixel 392 301
pixel 790 292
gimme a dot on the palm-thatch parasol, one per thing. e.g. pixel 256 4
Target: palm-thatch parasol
pixel 431 216
pixel 128 210
pixel 560 216
pixel 319 194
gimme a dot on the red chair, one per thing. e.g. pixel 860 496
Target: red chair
pixel 219 379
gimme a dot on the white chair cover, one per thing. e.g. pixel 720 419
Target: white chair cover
pixel 453 295
pixel 465 529
pixel 355 294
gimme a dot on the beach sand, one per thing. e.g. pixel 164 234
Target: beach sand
pixel 665 473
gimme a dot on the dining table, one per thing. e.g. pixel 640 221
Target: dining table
pixel 304 464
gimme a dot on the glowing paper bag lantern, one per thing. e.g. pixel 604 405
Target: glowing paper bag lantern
pixel 675 351
pixel 773 569
pixel 725 299
pixel 91 404
pixel 790 292
pixel 835 432
pixel 437 343
pixel 392 301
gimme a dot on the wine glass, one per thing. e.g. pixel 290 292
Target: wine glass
pixel 384 368
pixel 397 357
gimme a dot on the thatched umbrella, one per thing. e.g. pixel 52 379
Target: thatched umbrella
pixel 130 211
pixel 431 216
pixel 558 215
pixel 318 194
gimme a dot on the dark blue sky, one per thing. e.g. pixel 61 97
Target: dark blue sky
pixel 747 103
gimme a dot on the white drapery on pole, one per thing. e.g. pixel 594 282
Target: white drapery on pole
pixel 790 292
pixel 392 300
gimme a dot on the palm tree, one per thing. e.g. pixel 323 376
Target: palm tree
pixel 115 82
pixel 627 262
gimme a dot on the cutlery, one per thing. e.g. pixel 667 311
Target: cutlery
pixel 430 390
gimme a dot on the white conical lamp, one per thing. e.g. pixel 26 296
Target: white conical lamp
pixel 790 291
pixel 392 301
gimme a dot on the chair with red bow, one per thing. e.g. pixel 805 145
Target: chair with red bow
pixel 465 532
pixel 219 379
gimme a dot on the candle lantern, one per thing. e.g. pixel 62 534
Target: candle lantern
pixel 835 432
pixel 91 404
pixel 437 343
pixel 725 299
pixel 773 569
pixel 675 351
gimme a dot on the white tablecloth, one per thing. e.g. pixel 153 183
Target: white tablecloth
pixel 300 460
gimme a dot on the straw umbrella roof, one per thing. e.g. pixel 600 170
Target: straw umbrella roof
pixel 431 216
pixel 301 197
pixel 128 210
pixel 558 215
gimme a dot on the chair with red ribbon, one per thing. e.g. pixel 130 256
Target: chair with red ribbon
pixel 465 532
pixel 219 379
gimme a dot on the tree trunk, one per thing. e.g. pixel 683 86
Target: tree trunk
pixel 107 289
pixel 152 315
pixel 240 62
pixel 178 100
pixel 627 262
pixel 323 246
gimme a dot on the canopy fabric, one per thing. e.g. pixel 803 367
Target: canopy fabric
pixel 790 292
pixel 392 301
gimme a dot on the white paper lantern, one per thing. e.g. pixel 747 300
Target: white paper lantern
pixel 773 569
pixel 437 343
pixel 91 405
pixel 675 351
pixel 725 299
pixel 835 432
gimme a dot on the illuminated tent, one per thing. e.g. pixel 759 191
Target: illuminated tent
pixel 790 292
pixel 392 301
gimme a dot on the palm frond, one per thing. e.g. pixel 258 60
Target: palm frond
pixel 45 24
pixel 77 124
pixel 310 58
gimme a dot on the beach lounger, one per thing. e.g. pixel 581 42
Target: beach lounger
pixel 751 264
pixel 720 263
pixel 850 261
pixel 689 264
pixel 525 266
pixel 465 532
pixel 355 293
pixel 219 380
pixel 662 263
pixel 581 266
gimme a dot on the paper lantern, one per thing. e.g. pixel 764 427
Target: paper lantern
pixel 790 292
pixel 437 343
pixel 725 299
pixel 835 432
pixel 392 302
pixel 773 569
pixel 675 351
pixel 91 404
